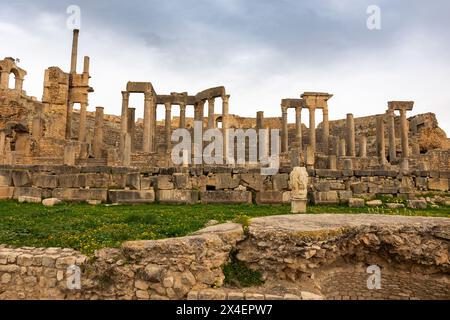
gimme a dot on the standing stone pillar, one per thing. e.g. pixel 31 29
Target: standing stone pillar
pixel 342 148
pixel 69 155
pixel 126 155
pixel 363 147
pixel 199 111
pixel 124 116
pixel 332 162
pixel 211 103
pixel 351 150
pixel 97 146
pixel 326 131
pixel 284 129
pixel 381 143
pixel 182 115
pixel 69 120
pixel 132 126
pixel 312 128
pixel 404 134
pixel 168 125
pixel 391 129
pixel 149 123
pixel 263 137
pixel 298 127
pixel 18 84
pixel 225 124
pixel 82 132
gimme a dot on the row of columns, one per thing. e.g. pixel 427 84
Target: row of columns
pixel 298 128
pixel 150 119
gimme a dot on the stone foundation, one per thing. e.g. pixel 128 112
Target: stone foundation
pixel 299 256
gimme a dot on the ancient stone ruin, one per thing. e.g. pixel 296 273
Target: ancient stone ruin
pixel 50 149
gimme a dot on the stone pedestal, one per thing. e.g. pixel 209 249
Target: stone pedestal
pixel 298 205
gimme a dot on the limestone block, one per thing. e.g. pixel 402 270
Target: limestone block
pixel 356 203
pixel 417 204
pixel 118 181
pixel 252 181
pixel 51 202
pixel 21 178
pixel 97 180
pixel 226 181
pixel 72 181
pixel 146 183
pixel 77 195
pixel 270 197
pixel 374 203
pixel 27 192
pixel 5 178
pixel 226 196
pixel 395 205
pixel 164 182
pixel 6 193
pixel 322 186
pixel 421 183
pixel 280 182
pixel 298 206
pixel 438 184
pixel 182 181
pixel 134 181
pixel 344 195
pixel 45 181
pixel 131 196
pixel 310 296
pixel 177 196
pixel 359 188
pixel 26 199
pixel 328 197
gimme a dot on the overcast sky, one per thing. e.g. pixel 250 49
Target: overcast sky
pixel 260 50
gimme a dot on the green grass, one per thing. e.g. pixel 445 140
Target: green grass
pixel 87 228
pixel 237 274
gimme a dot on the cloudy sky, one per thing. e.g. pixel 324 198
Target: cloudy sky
pixel 260 50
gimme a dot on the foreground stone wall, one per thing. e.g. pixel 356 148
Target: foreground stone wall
pixel 208 184
pixel 299 256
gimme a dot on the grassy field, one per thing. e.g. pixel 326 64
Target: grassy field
pixel 87 228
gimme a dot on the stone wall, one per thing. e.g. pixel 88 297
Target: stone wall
pixel 299 257
pixel 208 184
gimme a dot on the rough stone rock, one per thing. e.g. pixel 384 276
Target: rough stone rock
pixel 374 203
pixel 131 196
pixel 417 204
pixel 356 203
pixel 310 296
pixel 395 205
pixel 50 202
pixel 25 199
pixel 328 197
pixel 226 196
pixel 164 183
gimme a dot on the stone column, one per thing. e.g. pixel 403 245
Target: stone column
pixel 211 121
pixel 225 124
pixel 82 132
pixel 351 150
pixel 284 129
pixel 168 125
pixel 18 84
pixel 182 115
pixel 342 148
pixel 263 137
pixel 149 126
pixel 298 127
pixel 404 134
pixel 132 126
pixel 69 120
pixel 391 130
pixel 97 146
pixel 69 155
pixel 381 143
pixel 332 162
pixel 363 147
pixel 312 128
pixel 199 111
pixel 124 115
pixel 126 155
pixel 326 132
pixel 73 60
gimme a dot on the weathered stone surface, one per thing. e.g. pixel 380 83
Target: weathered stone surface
pixel 27 192
pixel 131 196
pixel 45 181
pixel 5 178
pixel 226 196
pixel 329 197
pixel 21 178
pixel 164 183
pixel 356 203
pixel 6 193
pixel 395 205
pixel 374 203
pixel 51 202
pixel 438 184
pixel 280 182
pixel 272 197
pixel 80 194
pixel 417 204
pixel 26 199
pixel 177 196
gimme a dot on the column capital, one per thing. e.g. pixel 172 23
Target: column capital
pixel 226 98
pixel 284 109
pixel 211 100
pixel 99 108
pixel 148 96
pixel 182 106
pixel 125 95
pixel 168 105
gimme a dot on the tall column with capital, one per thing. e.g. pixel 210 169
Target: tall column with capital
pixel 211 123
pixel 182 115
pixel 132 126
pixel 168 125
pixel 298 127
pixel 124 115
pixel 97 146
pixel 391 130
pixel 225 124
pixel 149 123
pixel 351 149
pixel 312 128
pixel 381 143
pixel 284 129
pixel 404 134
pixel 82 132
pixel 326 131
